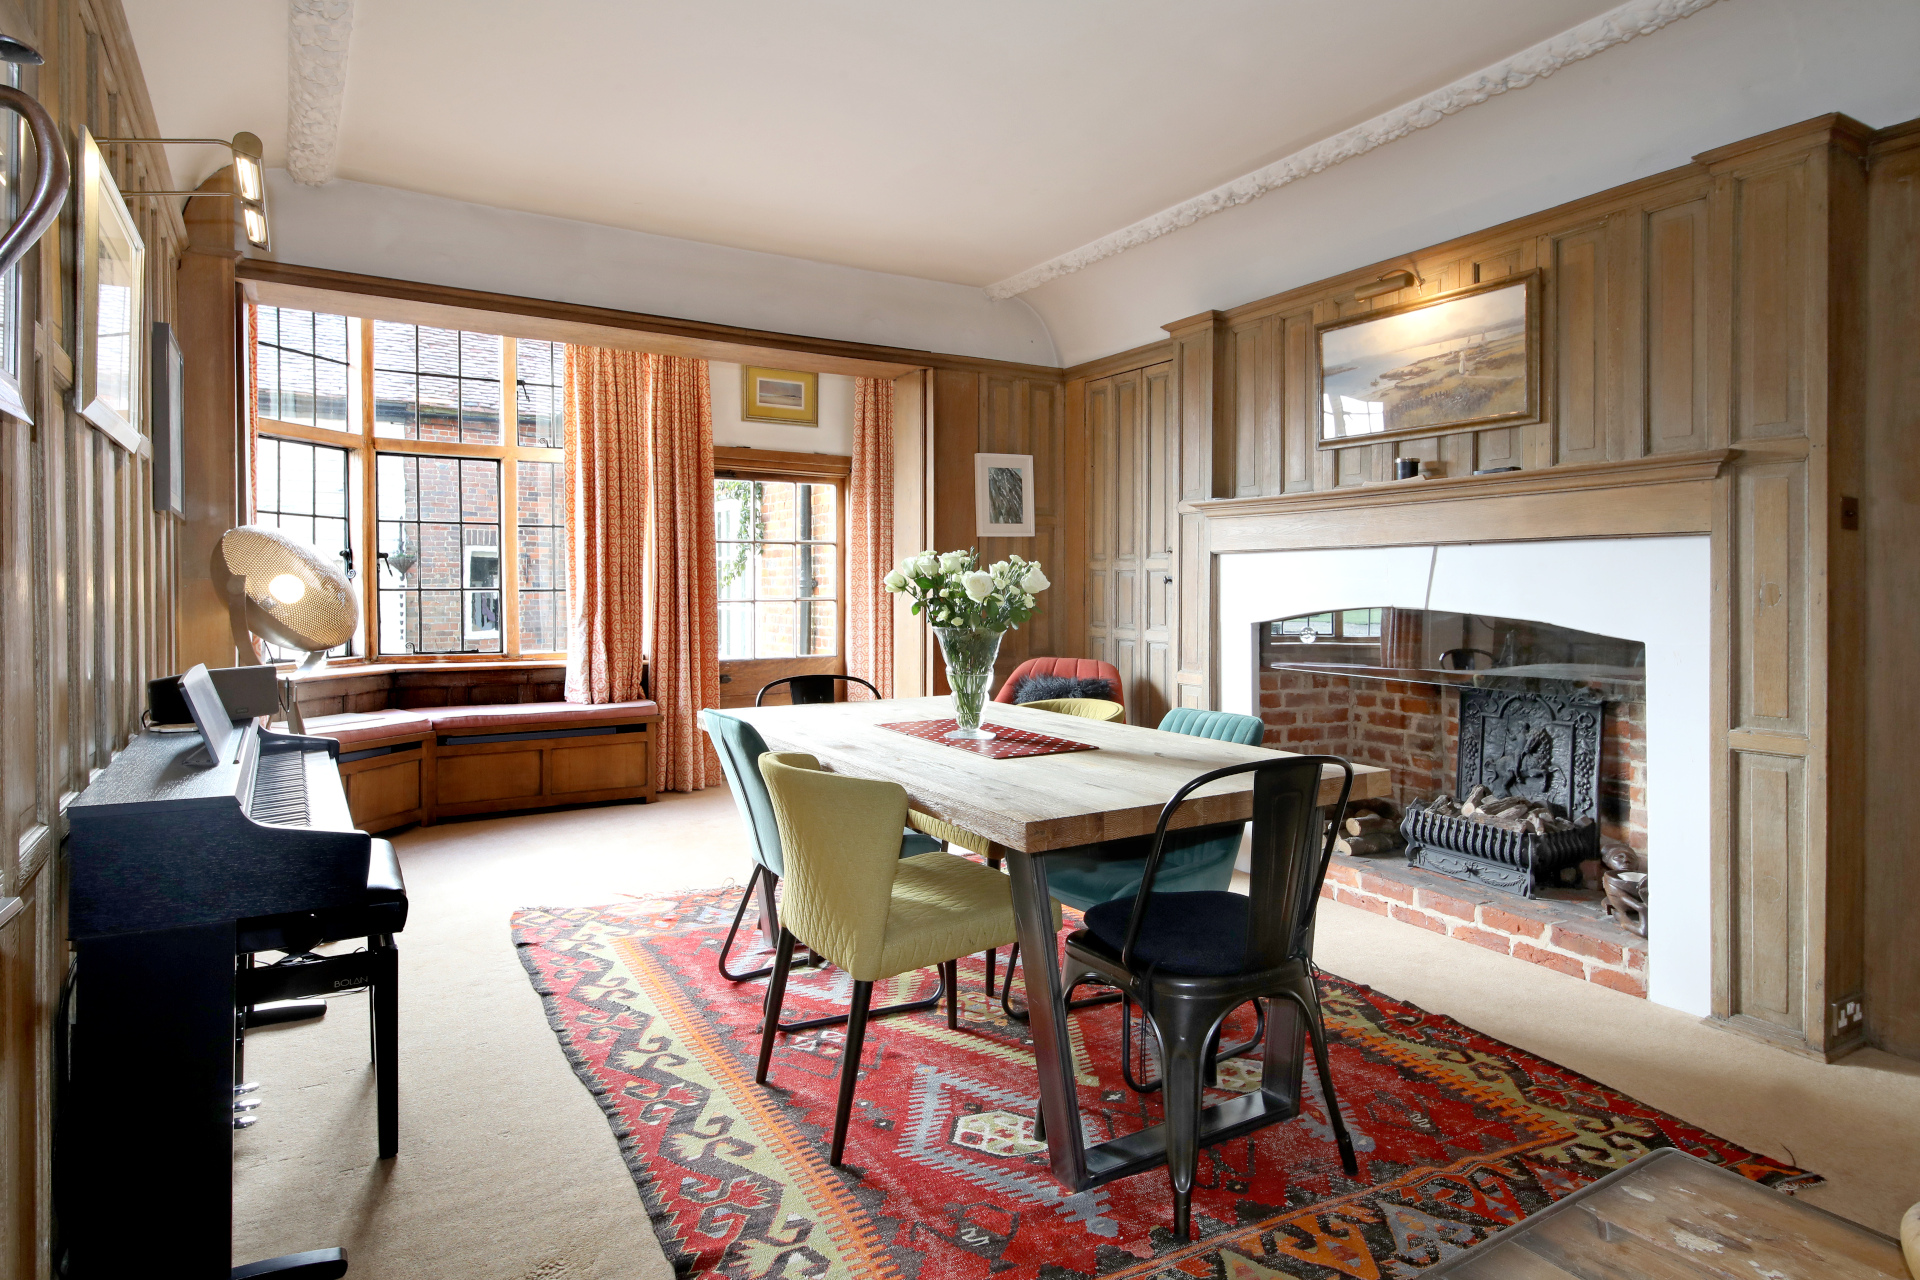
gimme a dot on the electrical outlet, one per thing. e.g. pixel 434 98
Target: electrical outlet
pixel 1849 1013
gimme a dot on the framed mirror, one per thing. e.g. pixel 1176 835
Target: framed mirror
pixel 109 354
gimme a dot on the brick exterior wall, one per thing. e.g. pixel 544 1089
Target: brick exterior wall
pixel 1410 728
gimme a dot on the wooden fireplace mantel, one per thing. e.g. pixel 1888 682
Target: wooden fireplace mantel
pixel 1637 497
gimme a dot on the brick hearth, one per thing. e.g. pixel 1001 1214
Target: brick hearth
pixel 1564 930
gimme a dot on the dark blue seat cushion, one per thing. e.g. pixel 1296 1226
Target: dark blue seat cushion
pixel 1196 935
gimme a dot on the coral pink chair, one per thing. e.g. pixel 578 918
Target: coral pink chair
pixel 1073 668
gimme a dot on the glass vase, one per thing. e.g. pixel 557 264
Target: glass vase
pixel 970 656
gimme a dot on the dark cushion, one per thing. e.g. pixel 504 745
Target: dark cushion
pixel 1192 934
pixel 1040 688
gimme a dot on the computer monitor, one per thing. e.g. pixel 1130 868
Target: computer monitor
pixel 209 713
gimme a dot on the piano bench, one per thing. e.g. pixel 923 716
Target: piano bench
pixel 386 764
pixel 535 755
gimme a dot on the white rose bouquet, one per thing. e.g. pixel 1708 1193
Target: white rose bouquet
pixel 954 591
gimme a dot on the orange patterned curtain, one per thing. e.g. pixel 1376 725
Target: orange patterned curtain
pixel 639 497
pixel 870 535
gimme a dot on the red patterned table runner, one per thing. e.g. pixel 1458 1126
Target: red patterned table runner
pixel 1006 744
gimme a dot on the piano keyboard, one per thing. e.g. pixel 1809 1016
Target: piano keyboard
pixel 280 790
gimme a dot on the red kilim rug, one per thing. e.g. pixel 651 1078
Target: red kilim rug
pixel 1458 1134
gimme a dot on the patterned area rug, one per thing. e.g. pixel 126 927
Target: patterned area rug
pixel 1458 1134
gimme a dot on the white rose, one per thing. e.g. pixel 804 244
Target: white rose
pixel 909 566
pixel 952 561
pixel 926 565
pixel 1035 582
pixel 978 585
pixel 896 581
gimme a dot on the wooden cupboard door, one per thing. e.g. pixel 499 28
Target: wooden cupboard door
pixel 1159 426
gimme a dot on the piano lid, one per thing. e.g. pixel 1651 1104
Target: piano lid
pixel 154 768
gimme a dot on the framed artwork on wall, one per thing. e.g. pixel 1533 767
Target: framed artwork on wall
pixel 109 352
pixel 1003 494
pixel 1464 360
pixel 787 396
pixel 168 402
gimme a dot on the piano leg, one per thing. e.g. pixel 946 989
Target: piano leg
pixel 385 1013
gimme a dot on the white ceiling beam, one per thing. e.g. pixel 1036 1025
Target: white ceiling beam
pixel 1616 26
pixel 317 32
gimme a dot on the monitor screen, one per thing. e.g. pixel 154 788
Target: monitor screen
pixel 209 713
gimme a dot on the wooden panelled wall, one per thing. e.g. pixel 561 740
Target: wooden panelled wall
pixel 88 608
pixel 991 411
pixel 1718 306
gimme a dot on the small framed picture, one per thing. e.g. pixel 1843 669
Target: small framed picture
pixel 110 339
pixel 169 416
pixel 786 396
pixel 1003 494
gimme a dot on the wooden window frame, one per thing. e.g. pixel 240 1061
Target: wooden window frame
pixel 364 503
pixel 736 463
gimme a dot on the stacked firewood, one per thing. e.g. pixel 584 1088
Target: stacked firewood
pixel 1510 813
pixel 1370 828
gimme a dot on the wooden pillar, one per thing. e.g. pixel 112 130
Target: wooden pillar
pixel 208 328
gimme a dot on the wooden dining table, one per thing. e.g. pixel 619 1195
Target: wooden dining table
pixel 1028 807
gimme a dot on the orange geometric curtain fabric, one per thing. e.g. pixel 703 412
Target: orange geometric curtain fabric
pixel 870 535
pixel 639 499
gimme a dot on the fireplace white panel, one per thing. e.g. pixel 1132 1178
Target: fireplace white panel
pixel 1655 590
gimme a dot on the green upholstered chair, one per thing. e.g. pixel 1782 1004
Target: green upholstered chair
pixel 1085 708
pixel 852 899
pixel 740 746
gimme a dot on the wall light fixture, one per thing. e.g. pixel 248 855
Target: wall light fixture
pixel 249 179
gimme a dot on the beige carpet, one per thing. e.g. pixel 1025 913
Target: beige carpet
pixel 507 1169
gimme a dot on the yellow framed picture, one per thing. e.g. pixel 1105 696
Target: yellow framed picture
pixel 779 395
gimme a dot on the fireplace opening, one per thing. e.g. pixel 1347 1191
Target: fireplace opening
pixel 1517 750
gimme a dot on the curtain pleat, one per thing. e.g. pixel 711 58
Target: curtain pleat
pixel 639 503
pixel 870 535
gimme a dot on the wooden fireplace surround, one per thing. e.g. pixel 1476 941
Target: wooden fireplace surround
pixel 1706 369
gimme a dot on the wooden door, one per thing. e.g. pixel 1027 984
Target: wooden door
pixel 1152 692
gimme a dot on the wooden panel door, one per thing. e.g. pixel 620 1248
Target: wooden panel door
pixel 1153 693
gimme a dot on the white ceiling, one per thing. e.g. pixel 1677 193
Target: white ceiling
pixel 960 143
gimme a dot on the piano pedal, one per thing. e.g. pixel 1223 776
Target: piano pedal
pixel 245 1122
pixel 250 1104
pixel 272 1015
pixel 298 957
pixel 248 1087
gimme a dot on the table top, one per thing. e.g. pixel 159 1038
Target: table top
pixel 1035 803
pixel 1671 1216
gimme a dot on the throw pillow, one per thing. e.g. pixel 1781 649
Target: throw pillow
pixel 1040 688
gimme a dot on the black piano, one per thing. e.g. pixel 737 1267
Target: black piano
pixel 188 856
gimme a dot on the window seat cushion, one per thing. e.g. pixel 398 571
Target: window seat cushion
pixel 369 726
pixel 511 717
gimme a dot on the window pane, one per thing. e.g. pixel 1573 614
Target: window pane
pixel 777 577
pixel 436 384
pixel 540 392
pixel 774 635
pixel 440 531
pixel 303 367
pixel 819 569
pixel 292 481
pixel 776 510
pixel 820 632
pixel 542 557
pixel 736 631
pixel 817 518
pixel 736 570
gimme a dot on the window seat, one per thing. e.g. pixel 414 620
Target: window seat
pixel 403 766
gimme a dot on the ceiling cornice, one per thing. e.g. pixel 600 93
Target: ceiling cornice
pixel 317 32
pixel 1616 26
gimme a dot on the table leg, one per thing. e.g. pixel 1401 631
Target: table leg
pixel 1047 1015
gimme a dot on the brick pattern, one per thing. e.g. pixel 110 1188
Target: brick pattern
pixel 1592 951
pixel 1410 728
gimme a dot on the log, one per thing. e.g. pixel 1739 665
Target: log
pixel 1364 846
pixel 1367 824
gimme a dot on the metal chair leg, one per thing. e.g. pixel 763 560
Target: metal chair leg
pixel 905 1006
pixel 850 1069
pixel 1020 1015
pixel 1308 998
pixel 776 996
pixel 726 947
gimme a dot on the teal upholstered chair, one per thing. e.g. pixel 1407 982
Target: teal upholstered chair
pixel 740 746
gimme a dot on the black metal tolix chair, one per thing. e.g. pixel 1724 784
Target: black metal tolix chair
pixel 809 690
pixel 1190 959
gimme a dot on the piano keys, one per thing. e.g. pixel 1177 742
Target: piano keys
pixel 178 868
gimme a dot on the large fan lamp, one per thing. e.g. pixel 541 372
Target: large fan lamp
pixel 287 593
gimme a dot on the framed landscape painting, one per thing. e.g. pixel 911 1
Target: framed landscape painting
pixel 788 396
pixel 1464 360
pixel 1003 494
